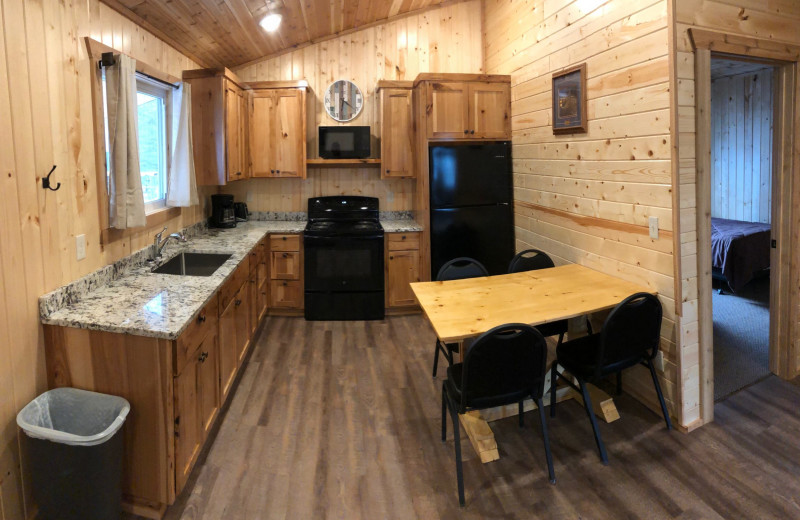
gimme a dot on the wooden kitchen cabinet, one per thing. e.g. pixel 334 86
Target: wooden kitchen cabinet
pixel 220 126
pixel 286 273
pixel 278 132
pixel 402 269
pixel 466 106
pixel 397 130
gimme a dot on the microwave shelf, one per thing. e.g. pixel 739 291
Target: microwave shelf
pixel 342 163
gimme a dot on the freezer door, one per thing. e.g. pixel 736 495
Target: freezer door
pixel 470 174
pixel 485 233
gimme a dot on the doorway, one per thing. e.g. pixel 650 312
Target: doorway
pixel 741 139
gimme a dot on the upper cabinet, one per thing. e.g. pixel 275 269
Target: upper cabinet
pixel 397 129
pixel 466 106
pixel 278 131
pixel 220 126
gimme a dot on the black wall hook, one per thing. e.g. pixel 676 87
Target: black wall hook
pixel 46 181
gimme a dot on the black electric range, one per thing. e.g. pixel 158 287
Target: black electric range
pixel 343 243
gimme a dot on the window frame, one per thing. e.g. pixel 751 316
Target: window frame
pixel 109 235
pixel 152 88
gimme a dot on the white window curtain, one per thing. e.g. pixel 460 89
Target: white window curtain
pixel 181 185
pixel 126 201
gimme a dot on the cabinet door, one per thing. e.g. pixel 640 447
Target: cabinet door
pixel 289 133
pixel 263 301
pixel 489 110
pixel 241 304
pixel 252 288
pixel 286 294
pixel 244 134
pixel 402 269
pixel 262 151
pixel 232 133
pixel 208 382
pixel 397 131
pixel 448 115
pixel 188 430
pixel 227 349
pixel 285 265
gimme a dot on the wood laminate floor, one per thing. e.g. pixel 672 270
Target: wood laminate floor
pixel 341 420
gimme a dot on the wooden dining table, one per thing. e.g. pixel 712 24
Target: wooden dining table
pixel 462 309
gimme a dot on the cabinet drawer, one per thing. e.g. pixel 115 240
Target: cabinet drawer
pixel 402 241
pixel 284 243
pixel 285 265
pixel 204 323
pixel 236 280
pixel 286 294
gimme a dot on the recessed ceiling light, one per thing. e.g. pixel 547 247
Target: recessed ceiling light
pixel 271 22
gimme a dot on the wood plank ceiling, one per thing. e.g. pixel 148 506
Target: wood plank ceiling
pixel 225 33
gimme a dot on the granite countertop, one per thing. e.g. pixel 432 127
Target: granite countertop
pixel 161 305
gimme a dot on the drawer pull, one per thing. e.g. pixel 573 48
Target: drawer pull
pixel 283 238
pixel 201 318
pixel 286 255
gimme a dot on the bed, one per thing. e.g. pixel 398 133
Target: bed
pixel 739 250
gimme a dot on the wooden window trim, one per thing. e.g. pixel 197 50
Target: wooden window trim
pixel 108 234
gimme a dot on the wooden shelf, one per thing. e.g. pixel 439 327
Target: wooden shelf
pixel 322 163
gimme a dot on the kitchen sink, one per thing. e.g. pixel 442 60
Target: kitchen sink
pixel 192 264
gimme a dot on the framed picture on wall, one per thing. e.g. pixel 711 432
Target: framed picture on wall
pixel 569 100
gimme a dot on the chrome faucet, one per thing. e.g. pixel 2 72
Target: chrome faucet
pixel 158 244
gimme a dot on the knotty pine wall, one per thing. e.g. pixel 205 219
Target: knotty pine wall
pixel 46 115
pixel 777 21
pixel 442 39
pixel 741 146
pixel 586 198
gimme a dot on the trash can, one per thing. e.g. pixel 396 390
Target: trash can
pixel 73 448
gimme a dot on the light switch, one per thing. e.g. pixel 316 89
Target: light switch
pixel 80 247
pixel 654 228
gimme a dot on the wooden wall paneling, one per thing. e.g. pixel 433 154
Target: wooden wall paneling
pixel 741 145
pixel 577 196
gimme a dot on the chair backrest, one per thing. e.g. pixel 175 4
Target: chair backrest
pixel 510 361
pixel 530 260
pixel 631 332
pixel 461 268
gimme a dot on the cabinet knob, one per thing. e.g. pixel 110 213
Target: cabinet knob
pixel 472 131
pixel 387 170
pixel 203 357
pixel 466 132
pixel 285 284
pixel 201 318
pixel 238 302
pixel 283 238
pixel 277 171
pixel 391 258
pixel 286 255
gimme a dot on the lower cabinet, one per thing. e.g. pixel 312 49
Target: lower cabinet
pixel 285 273
pixel 402 269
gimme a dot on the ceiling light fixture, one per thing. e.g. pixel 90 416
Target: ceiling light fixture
pixel 272 20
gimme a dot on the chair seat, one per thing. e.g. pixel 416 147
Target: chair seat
pixel 496 388
pixel 579 358
pixel 553 329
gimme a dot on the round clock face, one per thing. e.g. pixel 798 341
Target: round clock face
pixel 343 100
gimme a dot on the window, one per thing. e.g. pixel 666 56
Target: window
pixel 153 100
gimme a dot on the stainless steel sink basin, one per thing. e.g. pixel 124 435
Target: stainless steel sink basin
pixel 192 264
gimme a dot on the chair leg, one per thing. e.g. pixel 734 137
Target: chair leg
pixel 550 472
pixel 587 403
pixel 560 340
pixel 459 470
pixel 553 381
pixel 435 358
pixel 444 414
pixel 619 383
pixel 521 416
pixel 660 395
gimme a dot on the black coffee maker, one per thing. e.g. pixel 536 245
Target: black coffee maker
pixel 222 212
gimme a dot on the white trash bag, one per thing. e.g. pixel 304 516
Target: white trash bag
pixel 73 416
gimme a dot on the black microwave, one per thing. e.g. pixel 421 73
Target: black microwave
pixel 344 142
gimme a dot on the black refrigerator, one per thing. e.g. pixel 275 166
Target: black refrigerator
pixel 471 209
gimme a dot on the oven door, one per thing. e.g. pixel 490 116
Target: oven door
pixel 343 264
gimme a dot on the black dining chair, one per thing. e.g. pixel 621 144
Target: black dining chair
pixel 505 365
pixel 631 335
pixel 456 269
pixel 532 260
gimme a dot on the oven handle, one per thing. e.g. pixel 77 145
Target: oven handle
pixel 339 238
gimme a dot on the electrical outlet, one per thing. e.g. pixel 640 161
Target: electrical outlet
pixel 80 247
pixel 249 197
pixel 653 228
pixel 658 362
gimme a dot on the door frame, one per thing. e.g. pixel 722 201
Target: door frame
pixel 786 196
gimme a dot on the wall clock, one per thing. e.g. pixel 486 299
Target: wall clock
pixel 343 100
